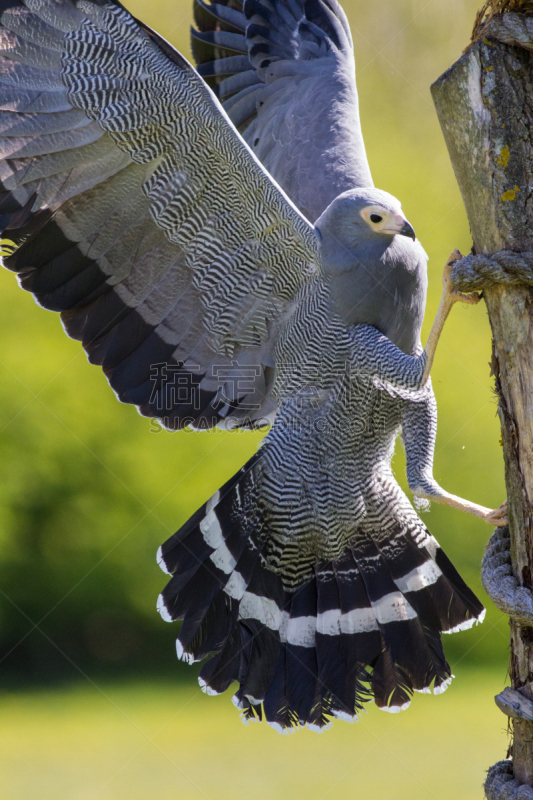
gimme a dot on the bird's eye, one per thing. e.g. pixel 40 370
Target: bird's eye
pixel 375 218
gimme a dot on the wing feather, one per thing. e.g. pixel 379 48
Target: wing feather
pixel 140 214
pixel 299 58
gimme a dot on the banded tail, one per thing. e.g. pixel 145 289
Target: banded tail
pixel 366 625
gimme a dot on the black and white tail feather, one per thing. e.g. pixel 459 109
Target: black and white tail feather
pixel 365 625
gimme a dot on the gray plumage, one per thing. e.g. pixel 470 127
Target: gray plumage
pixel 373 278
pixel 137 211
pixel 299 112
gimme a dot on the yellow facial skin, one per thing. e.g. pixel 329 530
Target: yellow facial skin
pixel 381 220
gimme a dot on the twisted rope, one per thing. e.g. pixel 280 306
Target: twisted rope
pixel 516 601
pixel 475 272
pixel 501 785
pixel 499 582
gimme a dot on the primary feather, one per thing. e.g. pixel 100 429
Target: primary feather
pixel 135 208
pixel 291 91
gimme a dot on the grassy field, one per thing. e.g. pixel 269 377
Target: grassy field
pixel 162 741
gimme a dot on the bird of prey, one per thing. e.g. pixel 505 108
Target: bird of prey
pixel 182 256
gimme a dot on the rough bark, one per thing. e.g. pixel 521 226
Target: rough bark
pixel 485 107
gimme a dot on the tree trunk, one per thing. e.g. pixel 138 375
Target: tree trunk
pixel 485 107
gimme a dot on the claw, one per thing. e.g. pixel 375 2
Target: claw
pixel 454 256
pixel 453 295
pixel 498 517
pixel 446 272
pixel 472 299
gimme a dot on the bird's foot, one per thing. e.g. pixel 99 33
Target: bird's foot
pixel 450 294
pixel 498 517
pixel 495 517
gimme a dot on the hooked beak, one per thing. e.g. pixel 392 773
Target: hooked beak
pixel 407 230
pixel 401 226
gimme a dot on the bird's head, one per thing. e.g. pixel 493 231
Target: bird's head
pixel 373 264
pixel 364 216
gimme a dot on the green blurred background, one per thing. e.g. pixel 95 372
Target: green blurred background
pixel 94 702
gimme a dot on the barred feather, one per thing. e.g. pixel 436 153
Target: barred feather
pixel 123 187
pixel 319 643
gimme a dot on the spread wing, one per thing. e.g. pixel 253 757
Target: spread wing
pixel 284 71
pixel 138 212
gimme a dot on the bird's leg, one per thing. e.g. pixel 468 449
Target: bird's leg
pixel 429 489
pixel 419 432
pixel 448 298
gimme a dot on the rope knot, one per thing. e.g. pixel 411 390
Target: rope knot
pixel 475 272
pixel 501 785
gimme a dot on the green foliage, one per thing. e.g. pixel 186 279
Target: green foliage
pixel 88 491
